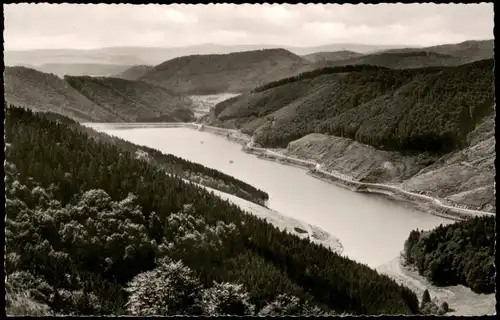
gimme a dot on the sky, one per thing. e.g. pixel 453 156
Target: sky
pixel 84 26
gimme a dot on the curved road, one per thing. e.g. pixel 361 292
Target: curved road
pixel 336 175
pixel 350 179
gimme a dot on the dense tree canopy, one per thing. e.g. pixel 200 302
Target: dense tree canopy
pixel 85 221
pixel 233 72
pixel 460 253
pixel 133 100
pixel 181 167
pixel 316 73
pixel 427 109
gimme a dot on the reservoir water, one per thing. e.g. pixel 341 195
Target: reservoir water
pixel 372 229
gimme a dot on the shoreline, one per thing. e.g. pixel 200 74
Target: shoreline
pixel 285 223
pixel 458 297
pixel 421 202
pixel 461 299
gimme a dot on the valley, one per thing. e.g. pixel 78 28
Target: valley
pixel 354 247
pixel 74 161
pixel 342 179
pixel 407 151
pixel 204 103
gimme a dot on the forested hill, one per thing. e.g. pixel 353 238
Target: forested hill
pixel 180 167
pixel 82 69
pixel 134 72
pixel 427 109
pixel 98 99
pixel 331 56
pixel 47 92
pixel 134 100
pixel 90 230
pixel 469 51
pixel 400 60
pixel 460 253
pixel 235 72
pixel 173 165
pixel 442 55
pixel 316 73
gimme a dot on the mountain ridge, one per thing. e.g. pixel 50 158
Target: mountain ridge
pixel 414 57
pixel 429 130
pixel 101 99
pixel 137 101
pixel 234 72
pixel 155 55
pixel 81 69
pixel 47 92
pixel 134 72
pixel 365 89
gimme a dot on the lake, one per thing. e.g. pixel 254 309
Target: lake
pixel 372 229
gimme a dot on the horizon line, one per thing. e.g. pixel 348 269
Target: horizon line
pixel 273 46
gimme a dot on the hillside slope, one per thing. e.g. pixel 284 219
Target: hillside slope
pixel 468 51
pixel 466 176
pixel 426 130
pixel 91 230
pixel 234 72
pixel 134 72
pixel 400 60
pixel 331 56
pixel 134 100
pixel 71 56
pixel 82 69
pixel 47 92
pixel 417 110
pixel 442 55
pixel 460 253
pixel 183 168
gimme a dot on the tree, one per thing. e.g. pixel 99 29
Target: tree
pixel 283 305
pixel 426 299
pixel 459 253
pixel 444 306
pixel 22 304
pixel 104 243
pixel 169 289
pixel 226 299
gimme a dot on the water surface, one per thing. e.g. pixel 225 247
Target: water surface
pixel 372 229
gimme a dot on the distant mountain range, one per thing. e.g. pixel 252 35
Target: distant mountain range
pixel 332 56
pixel 115 61
pixel 235 72
pixel 422 102
pixel 155 55
pixel 82 69
pixel 444 55
pixel 483 49
pixel 94 98
pixel 134 72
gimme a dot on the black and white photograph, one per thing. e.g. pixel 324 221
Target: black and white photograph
pixel 249 159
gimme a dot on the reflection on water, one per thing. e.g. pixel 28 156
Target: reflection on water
pixel 371 228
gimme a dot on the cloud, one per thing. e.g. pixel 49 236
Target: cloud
pixel 30 26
